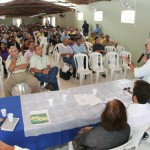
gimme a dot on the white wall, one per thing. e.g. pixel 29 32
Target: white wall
pixel 128 35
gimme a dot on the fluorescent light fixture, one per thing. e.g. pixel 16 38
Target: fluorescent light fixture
pixel 80 16
pixel 63 4
pixel 5 1
pixel 128 16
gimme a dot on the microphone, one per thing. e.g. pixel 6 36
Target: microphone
pixel 142 55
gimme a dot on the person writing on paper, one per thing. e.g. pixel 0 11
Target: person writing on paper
pixel 4 146
pixel 142 72
pixel 112 132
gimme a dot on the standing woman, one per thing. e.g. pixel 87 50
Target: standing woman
pixel 4 54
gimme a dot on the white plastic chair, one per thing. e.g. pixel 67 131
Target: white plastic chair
pixel 110 49
pixel 119 49
pixel 79 62
pixel 96 64
pixel 1 68
pixel 43 43
pixel 125 67
pixel 56 52
pixel 112 62
pixel 134 140
pixel 21 89
pixel 89 47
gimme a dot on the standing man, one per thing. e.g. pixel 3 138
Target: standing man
pixel 85 28
pixel 97 30
pixel 16 65
pixel 40 66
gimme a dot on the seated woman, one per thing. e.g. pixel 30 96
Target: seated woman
pixel 112 132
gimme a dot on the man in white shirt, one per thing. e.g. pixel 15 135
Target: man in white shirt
pixel 67 55
pixel 143 71
pixel 30 52
pixel 17 67
pixel 139 111
pixel 40 66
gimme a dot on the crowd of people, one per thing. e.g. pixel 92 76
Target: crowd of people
pixel 23 59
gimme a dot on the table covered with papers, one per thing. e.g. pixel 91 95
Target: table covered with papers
pixel 65 118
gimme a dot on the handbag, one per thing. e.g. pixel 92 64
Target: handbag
pixel 64 75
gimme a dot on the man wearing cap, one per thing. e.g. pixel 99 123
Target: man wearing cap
pixel 142 72
pixel 108 42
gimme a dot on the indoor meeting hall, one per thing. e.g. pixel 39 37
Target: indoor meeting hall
pixel 74 75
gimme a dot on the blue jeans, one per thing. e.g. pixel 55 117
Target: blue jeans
pixel 69 61
pixel 49 78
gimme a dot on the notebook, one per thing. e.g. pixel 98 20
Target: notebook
pixel 9 126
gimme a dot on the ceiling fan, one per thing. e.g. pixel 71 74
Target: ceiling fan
pixel 126 4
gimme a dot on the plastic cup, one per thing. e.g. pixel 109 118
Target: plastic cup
pixel 10 117
pixel 64 96
pixel 3 111
pixel 51 100
pixel 94 91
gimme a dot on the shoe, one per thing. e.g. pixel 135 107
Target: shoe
pixel 42 85
pixel 48 87
pixel 104 75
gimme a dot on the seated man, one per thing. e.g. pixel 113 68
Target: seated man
pixel 67 55
pixel 108 42
pixel 16 65
pixel 97 47
pixel 30 52
pixel 139 111
pixel 78 47
pixel 102 38
pixel 40 66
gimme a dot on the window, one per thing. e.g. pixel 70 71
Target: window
pixel 53 21
pixel 17 21
pixel 128 16
pixel 44 21
pixel 98 16
pixel 80 16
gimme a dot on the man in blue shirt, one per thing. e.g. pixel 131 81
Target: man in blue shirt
pixel 97 30
pixel 64 35
pixel 78 47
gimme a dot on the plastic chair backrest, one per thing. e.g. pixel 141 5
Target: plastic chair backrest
pixel 110 49
pixel 89 46
pixel 125 54
pixel 81 61
pixel 96 60
pixel 112 59
pixel 57 46
pixel 21 89
pixel 120 49
pixel 135 138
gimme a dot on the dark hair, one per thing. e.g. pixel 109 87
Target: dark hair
pixel 96 38
pixel 142 91
pixel 114 117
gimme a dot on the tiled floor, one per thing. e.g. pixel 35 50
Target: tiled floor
pixel 63 84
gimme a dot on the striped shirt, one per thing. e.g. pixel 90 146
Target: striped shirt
pixel 39 62
pixel 20 61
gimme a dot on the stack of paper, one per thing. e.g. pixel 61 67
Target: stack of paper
pixel 84 99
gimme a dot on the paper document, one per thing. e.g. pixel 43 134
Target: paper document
pixel 39 117
pixel 84 99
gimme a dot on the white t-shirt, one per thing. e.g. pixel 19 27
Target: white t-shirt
pixel 138 114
